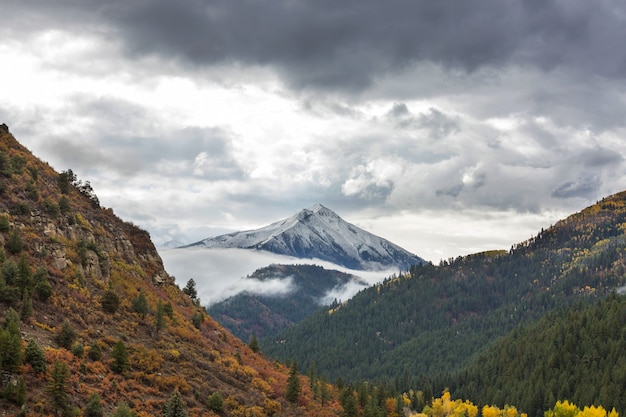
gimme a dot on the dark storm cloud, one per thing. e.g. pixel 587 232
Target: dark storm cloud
pixel 350 43
pixel 582 187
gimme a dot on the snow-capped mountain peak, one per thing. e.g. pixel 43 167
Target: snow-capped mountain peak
pixel 318 232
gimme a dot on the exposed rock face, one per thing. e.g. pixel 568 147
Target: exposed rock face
pixel 101 242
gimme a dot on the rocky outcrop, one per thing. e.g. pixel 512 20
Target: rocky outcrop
pixel 98 242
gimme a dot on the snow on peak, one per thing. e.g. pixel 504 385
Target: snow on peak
pixel 316 208
pixel 318 232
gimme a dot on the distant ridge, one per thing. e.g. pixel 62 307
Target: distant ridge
pixel 318 232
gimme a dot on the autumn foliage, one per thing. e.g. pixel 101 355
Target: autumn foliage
pixel 107 322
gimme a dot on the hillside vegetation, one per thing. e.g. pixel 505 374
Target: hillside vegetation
pixel 575 354
pixel 91 324
pixel 254 314
pixel 434 320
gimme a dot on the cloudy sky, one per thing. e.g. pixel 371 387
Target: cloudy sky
pixel 447 127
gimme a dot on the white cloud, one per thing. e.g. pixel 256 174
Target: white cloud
pixel 220 273
pixel 189 141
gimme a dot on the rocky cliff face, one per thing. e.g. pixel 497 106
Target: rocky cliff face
pixel 105 241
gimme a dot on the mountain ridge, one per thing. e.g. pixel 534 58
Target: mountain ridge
pixel 450 312
pixel 110 328
pixel 319 233
pixel 254 313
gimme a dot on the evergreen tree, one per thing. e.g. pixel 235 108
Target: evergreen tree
pixel 120 358
pixel 20 391
pixel 140 305
pixel 65 179
pixel 42 289
pixel 324 393
pixel 174 407
pixel 66 336
pixel 348 402
pixel 11 342
pixel 14 245
pixel 169 310
pixel 216 403
pixel 5 226
pixel 24 275
pixel 78 350
pixel 35 356
pixel 57 387
pixel 293 385
pixel 197 319
pixel 190 290
pixel 15 391
pixel 95 352
pixel 64 205
pixel 123 410
pixel 110 301
pixel 94 406
pixel 26 309
pixel 9 272
pixel 254 344
pixel 159 317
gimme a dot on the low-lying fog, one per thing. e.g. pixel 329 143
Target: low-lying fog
pixel 220 273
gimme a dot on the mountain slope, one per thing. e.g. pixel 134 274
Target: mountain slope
pixel 319 233
pixel 576 354
pixel 434 319
pixel 251 313
pixel 88 313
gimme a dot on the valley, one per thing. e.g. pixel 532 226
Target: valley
pixel 92 324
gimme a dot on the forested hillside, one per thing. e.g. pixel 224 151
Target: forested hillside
pixel 91 324
pixel 250 314
pixel 577 354
pixel 436 319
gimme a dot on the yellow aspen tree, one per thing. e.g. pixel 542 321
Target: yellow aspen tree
pixel 437 408
pixel 491 411
pixel 448 404
pixel 510 411
pixel 563 409
pixel 471 409
pixel 592 411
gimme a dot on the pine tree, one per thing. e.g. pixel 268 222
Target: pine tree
pixel 254 344
pixel 120 358
pixel 43 289
pixel 174 407
pixel 14 245
pixel 324 393
pixel 57 386
pixel 26 309
pixel 24 275
pixel 216 403
pixel 190 290
pixel 35 356
pixel 110 301
pixel 94 406
pixel 293 385
pixel 66 336
pixel 348 402
pixel 140 305
pixel 159 317
pixel 95 352
pixel 11 342
pixel 197 319
pixel 123 410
